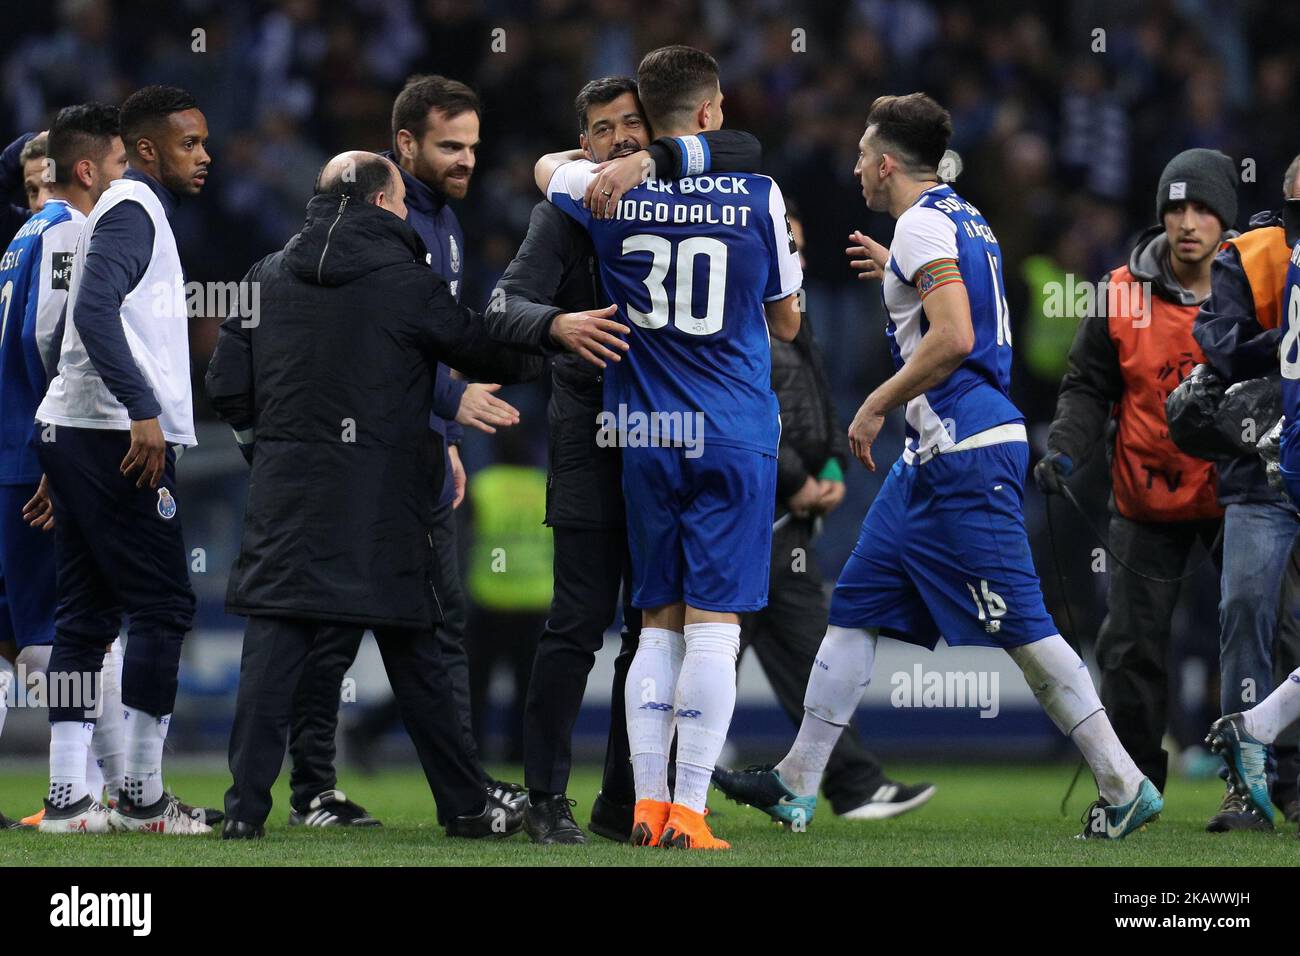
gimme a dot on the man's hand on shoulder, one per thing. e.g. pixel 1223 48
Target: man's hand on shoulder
pixel 613 178
pixel 592 335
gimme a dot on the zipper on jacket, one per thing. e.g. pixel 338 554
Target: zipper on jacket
pixel 343 204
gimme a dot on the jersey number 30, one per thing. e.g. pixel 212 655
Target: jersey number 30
pixel 679 310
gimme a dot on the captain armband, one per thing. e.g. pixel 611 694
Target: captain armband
pixel 939 272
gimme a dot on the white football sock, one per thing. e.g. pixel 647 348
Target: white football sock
pixel 145 734
pixel 648 703
pixel 1061 683
pixel 94 775
pixel 840 675
pixel 69 751
pixel 705 700
pixel 109 742
pixel 6 681
pixel 1276 712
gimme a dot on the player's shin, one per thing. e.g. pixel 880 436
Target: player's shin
pixel 839 678
pixel 145 736
pixel 648 702
pixel 1062 685
pixel 6 680
pixel 108 746
pixel 1275 712
pixel 705 700
pixel 69 751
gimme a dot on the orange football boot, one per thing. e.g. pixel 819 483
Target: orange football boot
pixel 35 819
pixel 687 830
pixel 648 819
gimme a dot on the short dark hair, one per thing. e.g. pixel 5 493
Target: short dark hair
pixel 425 92
pixel 145 110
pixel 372 175
pixel 599 92
pixel 672 81
pixel 913 127
pixel 84 131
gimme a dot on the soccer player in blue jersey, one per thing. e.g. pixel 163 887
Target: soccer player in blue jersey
pixel 943 549
pixel 1243 739
pixel 85 154
pixel 700 270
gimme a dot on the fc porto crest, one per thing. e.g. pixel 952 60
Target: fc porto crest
pixel 454 255
pixel 166 504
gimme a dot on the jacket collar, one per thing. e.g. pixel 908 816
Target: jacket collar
pixel 165 195
pixel 420 196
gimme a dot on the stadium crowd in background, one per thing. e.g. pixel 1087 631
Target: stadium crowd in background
pixel 1060 141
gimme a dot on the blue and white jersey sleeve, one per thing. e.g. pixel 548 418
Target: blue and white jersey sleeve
pixel 923 234
pixel 567 187
pixel 786 275
pixel 49 300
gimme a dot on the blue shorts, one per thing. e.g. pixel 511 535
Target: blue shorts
pixel 943 552
pixel 28 595
pixel 700 529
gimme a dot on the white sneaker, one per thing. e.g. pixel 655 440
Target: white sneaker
pixel 163 816
pixel 890 800
pixel 87 815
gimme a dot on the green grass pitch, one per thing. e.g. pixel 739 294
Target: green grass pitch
pixel 1004 815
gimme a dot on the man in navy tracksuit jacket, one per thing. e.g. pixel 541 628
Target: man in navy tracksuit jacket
pixel 435 130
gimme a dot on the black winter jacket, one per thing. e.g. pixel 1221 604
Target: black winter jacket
pixel 811 432
pixel 336 379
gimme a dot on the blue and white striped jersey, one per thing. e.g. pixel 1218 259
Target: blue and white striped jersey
pixel 35 272
pixel 976 397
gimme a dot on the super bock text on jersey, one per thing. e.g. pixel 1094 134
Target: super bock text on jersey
pixel 690 265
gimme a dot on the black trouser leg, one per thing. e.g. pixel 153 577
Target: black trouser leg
pixel 125 542
pixel 316 711
pixel 1286 658
pixel 1133 644
pixel 413 660
pixel 616 782
pixel 451 632
pixel 274 653
pixel 588 571
pixel 786 635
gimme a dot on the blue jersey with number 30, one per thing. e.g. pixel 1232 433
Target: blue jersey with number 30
pixel 689 264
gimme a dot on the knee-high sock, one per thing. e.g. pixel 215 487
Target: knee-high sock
pixel 6 681
pixel 648 703
pixel 109 743
pixel 704 702
pixel 1277 711
pixel 69 751
pixel 839 678
pixel 145 734
pixel 1062 685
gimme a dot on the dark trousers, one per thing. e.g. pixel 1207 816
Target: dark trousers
pixel 275 652
pixel 118 550
pixel 786 635
pixel 1133 644
pixel 590 567
pixel 501 639
pixel 1286 658
pixel 316 710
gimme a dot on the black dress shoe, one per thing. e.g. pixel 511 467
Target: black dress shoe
pixel 497 819
pixel 239 830
pixel 611 820
pixel 551 821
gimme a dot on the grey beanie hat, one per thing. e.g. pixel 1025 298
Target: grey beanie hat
pixel 1200 175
